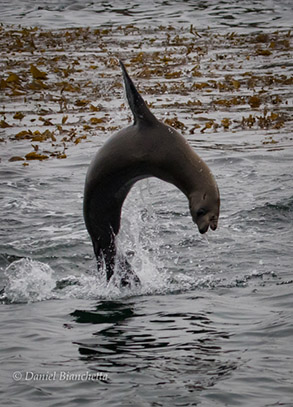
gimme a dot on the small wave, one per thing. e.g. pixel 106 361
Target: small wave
pixel 283 206
pixel 280 212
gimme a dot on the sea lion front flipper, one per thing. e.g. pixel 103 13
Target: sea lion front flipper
pixel 136 103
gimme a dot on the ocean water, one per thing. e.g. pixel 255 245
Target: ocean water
pixel 211 323
pixel 240 15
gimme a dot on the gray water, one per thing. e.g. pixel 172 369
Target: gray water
pixel 240 15
pixel 211 324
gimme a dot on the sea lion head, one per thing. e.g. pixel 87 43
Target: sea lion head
pixel 205 208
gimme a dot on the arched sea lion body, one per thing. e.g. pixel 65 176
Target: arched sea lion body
pixel 147 148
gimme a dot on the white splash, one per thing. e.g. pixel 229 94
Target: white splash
pixel 29 281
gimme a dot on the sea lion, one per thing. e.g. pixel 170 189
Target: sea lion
pixel 147 148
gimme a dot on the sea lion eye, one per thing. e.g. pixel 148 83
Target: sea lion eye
pixel 201 212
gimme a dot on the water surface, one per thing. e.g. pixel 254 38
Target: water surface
pixel 211 324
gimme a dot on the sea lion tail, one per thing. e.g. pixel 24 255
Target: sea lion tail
pixel 136 103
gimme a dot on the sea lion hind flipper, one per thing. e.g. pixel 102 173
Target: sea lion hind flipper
pixel 136 103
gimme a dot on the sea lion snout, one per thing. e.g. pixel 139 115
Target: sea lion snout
pixel 203 229
pixel 204 224
pixel 204 211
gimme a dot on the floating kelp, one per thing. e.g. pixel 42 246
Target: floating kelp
pixel 264 121
pixel 60 88
pixel 18 116
pixel 4 124
pixel 36 156
pixel 16 158
pixel 36 73
pixel 174 122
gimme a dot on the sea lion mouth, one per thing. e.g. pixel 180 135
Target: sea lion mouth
pixel 213 226
pixel 203 229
